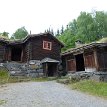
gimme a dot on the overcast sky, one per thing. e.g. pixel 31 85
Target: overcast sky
pixel 38 15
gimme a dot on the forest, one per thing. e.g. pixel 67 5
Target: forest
pixel 88 27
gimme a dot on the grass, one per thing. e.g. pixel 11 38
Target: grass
pixel 2 102
pixel 3 76
pixel 103 40
pixel 92 87
pixel 39 79
pixel 14 79
pixel 42 79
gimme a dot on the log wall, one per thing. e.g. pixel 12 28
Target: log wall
pixel 2 52
pixel 38 53
pixel 102 59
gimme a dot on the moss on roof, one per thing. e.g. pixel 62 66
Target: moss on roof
pixel 3 37
pixel 103 40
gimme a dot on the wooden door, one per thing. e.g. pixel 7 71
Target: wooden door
pixel 71 66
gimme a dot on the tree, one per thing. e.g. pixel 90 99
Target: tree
pixel 20 33
pixel 88 27
pixel 62 30
pixel 101 24
pixel 73 27
pixel 85 26
pixel 5 34
pixel 58 32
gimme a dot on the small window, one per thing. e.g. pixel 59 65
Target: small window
pixel 47 45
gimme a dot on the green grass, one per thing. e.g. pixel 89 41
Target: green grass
pixel 3 76
pixel 14 79
pixel 2 102
pixel 42 79
pixel 92 87
pixel 39 79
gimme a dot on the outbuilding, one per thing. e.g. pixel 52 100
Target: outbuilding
pixel 86 57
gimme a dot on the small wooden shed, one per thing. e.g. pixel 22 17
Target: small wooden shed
pixel 50 66
pixel 87 57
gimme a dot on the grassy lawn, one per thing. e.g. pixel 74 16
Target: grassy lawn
pixel 92 87
pixel 2 102
pixel 43 79
pixel 5 78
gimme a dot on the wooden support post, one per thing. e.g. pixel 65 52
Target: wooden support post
pixel 46 69
pixel 4 54
pixel 9 54
pixel 57 70
pixel 96 59
pixel 22 55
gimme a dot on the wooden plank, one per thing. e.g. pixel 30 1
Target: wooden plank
pixel 71 65
pixel 89 61
pixel 96 60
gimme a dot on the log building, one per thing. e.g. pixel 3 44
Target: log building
pixel 33 47
pixel 87 57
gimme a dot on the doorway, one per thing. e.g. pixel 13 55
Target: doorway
pixel 80 62
pixel 16 54
pixel 52 68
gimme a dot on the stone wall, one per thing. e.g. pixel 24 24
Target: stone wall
pixel 24 69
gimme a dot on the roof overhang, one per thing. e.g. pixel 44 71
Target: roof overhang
pixel 83 47
pixel 46 60
pixel 35 35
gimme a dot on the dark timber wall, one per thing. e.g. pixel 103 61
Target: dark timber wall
pixel 30 48
pixel 2 52
pixel 26 51
pixel 102 58
pixel 70 62
pixel 37 51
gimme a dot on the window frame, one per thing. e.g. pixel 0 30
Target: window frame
pixel 48 43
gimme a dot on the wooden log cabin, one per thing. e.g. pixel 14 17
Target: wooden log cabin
pixel 88 57
pixel 33 47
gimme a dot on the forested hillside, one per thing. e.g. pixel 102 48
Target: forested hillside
pixel 88 27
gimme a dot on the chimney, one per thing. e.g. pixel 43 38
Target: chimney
pixel 30 31
pixel 78 43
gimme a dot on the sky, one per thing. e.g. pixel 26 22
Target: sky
pixel 39 15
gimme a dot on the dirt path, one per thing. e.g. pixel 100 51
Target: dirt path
pixel 46 94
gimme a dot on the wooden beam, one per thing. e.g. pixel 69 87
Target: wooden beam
pixel 9 55
pixel 96 59
pixel 46 69
pixel 22 55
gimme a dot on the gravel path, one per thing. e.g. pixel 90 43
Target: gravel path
pixel 46 94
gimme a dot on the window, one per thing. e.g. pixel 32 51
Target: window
pixel 47 45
